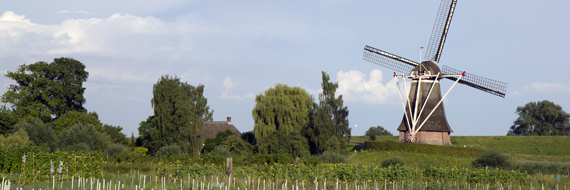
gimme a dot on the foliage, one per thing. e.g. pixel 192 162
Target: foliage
pixel 221 136
pixel 40 134
pixel 492 159
pixel 116 149
pixel 328 129
pixel 114 133
pixel 333 158
pixel 347 172
pixel 281 108
pixel 82 136
pixel 47 90
pixel 148 136
pixel 392 162
pixel 17 140
pixel 179 112
pixel 7 120
pixel 37 165
pixel 249 137
pixel 279 142
pixel 540 118
pixel 141 150
pixel 73 117
pixel 377 131
pixel 423 148
pixel 236 145
pixel 312 160
pixel 221 151
pixel 169 150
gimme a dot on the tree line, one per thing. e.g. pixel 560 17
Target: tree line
pixel 45 108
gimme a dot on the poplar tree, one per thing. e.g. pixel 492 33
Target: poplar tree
pixel 179 112
pixel 328 129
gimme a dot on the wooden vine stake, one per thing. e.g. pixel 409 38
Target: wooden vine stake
pixel 229 171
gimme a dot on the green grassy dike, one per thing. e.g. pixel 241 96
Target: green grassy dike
pixel 535 148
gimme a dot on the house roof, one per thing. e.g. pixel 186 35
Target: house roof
pixel 211 128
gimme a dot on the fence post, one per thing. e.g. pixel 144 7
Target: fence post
pixel 229 170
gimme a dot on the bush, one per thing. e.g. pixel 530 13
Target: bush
pixel 221 151
pixel 116 149
pixel 333 158
pixel 424 148
pixel 493 159
pixel 40 133
pixel 392 161
pixel 79 147
pixel 168 150
pixel 82 133
pixel 311 160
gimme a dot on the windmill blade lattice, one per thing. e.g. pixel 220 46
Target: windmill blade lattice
pixel 388 60
pixel 440 29
pixel 491 86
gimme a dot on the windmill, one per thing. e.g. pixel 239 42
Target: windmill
pixel 424 118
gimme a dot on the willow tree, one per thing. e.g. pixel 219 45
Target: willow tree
pixel 281 108
pixel 179 112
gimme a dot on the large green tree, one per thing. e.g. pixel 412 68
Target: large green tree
pixel 281 108
pixel 329 120
pixel 179 112
pixel 542 118
pixel 47 90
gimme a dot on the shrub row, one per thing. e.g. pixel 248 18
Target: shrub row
pixel 423 148
pixel 345 172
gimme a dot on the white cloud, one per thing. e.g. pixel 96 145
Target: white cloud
pixel 227 86
pixel 544 88
pixel 83 12
pixel 354 86
pixel 62 11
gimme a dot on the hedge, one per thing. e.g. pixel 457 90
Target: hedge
pixel 423 148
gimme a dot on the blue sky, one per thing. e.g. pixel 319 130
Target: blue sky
pixel 238 49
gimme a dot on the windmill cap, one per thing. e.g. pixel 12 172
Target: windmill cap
pixel 429 66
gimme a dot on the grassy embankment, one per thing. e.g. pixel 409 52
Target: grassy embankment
pixel 548 149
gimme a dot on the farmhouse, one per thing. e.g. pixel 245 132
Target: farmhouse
pixel 211 128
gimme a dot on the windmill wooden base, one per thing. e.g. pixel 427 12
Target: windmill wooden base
pixel 430 137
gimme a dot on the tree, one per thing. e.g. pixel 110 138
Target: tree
pixel 221 136
pixel 82 136
pixel 73 117
pixel 281 108
pixel 47 90
pixel 179 112
pixel 329 120
pixel 40 133
pixel 378 131
pixel 115 135
pixel 7 120
pixel 149 136
pixel 540 118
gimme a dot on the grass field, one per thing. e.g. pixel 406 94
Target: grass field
pixel 539 148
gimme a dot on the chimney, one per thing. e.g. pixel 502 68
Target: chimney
pixel 229 120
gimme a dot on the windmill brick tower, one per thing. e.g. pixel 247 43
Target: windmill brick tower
pixel 424 118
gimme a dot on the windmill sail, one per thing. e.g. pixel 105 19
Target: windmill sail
pixel 491 86
pixel 439 31
pixel 388 60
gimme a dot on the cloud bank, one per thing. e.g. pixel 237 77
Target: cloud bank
pixel 354 86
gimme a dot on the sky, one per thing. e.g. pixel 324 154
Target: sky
pixel 238 49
